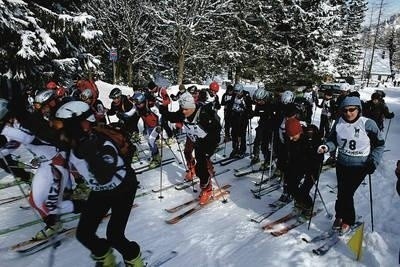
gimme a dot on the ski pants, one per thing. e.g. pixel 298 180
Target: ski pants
pixel 239 128
pixel 120 201
pixel 301 191
pixel 325 125
pixel 228 123
pixel 204 168
pixel 188 152
pixel 262 139
pixel 349 179
pixel 153 135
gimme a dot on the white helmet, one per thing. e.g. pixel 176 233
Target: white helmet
pixel 75 109
pixel 238 88
pixel 287 97
pixel 3 108
pixel 44 96
pixel 261 94
pixel 308 96
pixel 86 94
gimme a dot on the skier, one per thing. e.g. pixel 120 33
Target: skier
pixel 360 148
pixel 113 184
pixel 327 110
pixel 303 161
pixel 52 171
pixel 265 110
pixel 227 102
pixel 182 90
pixel 124 110
pixel 241 112
pixel 377 110
pixel 160 94
pixel 96 106
pixel 151 120
pixel 202 126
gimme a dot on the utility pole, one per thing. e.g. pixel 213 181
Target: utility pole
pixel 373 45
pixel 366 44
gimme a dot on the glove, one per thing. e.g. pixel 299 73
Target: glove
pixel 370 166
pixel 322 149
pixel 390 115
pixel 3 140
pixel 158 129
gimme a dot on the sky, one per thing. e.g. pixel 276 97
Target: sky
pixel 221 235
pixel 390 7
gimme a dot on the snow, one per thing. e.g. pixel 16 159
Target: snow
pixel 221 234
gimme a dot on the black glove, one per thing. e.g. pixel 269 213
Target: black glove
pixel 3 140
pixel 390 115
pixel 370 166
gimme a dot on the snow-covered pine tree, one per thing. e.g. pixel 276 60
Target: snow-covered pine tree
pixel 348 45
pixel 44 38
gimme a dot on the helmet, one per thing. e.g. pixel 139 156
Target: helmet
pixel 375 96
pixel 116 92
pixel 3 108
pixel 287 97
pixel 86 94
pixel 138 98
pixel 308 96
pixel 214 86
pixel 192 89
pixel 261 94
pixel 44 96
pixel 75 109
pixel 238 88
pixel 51 85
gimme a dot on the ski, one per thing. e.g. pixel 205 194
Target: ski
pixel 195 200
pixel 38 245
pixel 196 208
pixel 299 221
pixel 263 187
pixel 162 259
pixel 63 220
pixel 333 239
pixel 283 219
pixel 10 199
pixel 189 183
pixel 320 237
pixel 147 167
pixel 267 214
pixel 266 191
pixel 266 180
pixel 10 184
pixel 230 160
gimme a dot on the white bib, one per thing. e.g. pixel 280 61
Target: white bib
pixel 194 131
pixel 352 138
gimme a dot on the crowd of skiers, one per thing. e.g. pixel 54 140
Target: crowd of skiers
pixel 66 131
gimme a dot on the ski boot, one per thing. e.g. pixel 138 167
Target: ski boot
pixel 205 194
pixel 107 260
pixel 48 231
pixel 337 224
pixel 285 197
pixel 136 262
pixel 234 154
pixel 155 162
pixel 255 159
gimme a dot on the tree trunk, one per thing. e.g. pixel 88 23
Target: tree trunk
pixel 130 74
pixel 237 74
pixel 181 66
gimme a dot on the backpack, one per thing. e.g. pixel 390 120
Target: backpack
pixel 120 139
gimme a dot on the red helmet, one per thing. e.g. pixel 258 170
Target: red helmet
pixel 214 86
pixel 51 85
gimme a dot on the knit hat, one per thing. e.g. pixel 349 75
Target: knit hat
pixel 293 127
pixel 351 101
pixel 186 101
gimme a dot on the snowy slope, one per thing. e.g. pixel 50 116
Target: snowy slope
pixel 221 234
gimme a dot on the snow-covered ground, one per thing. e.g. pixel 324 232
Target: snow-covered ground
pixel 222 234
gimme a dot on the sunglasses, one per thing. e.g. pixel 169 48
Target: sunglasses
pixel 345 110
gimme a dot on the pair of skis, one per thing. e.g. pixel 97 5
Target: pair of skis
pixel 330 238
pixel 298 220
pixel 217 194
pixel 229 160
pixel 145 168
pixel 277 205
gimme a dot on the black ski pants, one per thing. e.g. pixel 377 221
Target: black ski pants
pixel 239 128
pixel 119 200
pixel 348 180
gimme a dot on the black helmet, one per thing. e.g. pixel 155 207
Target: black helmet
pixel 116 92
pixel 192 89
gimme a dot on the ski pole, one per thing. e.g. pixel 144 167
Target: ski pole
pixel 249 133
pixel 161 156
pixel 316 183
pixel 181 153
pixel 387 131
pixel 173 153
pixel 224 200
pixel 370 202
pixel 270 155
